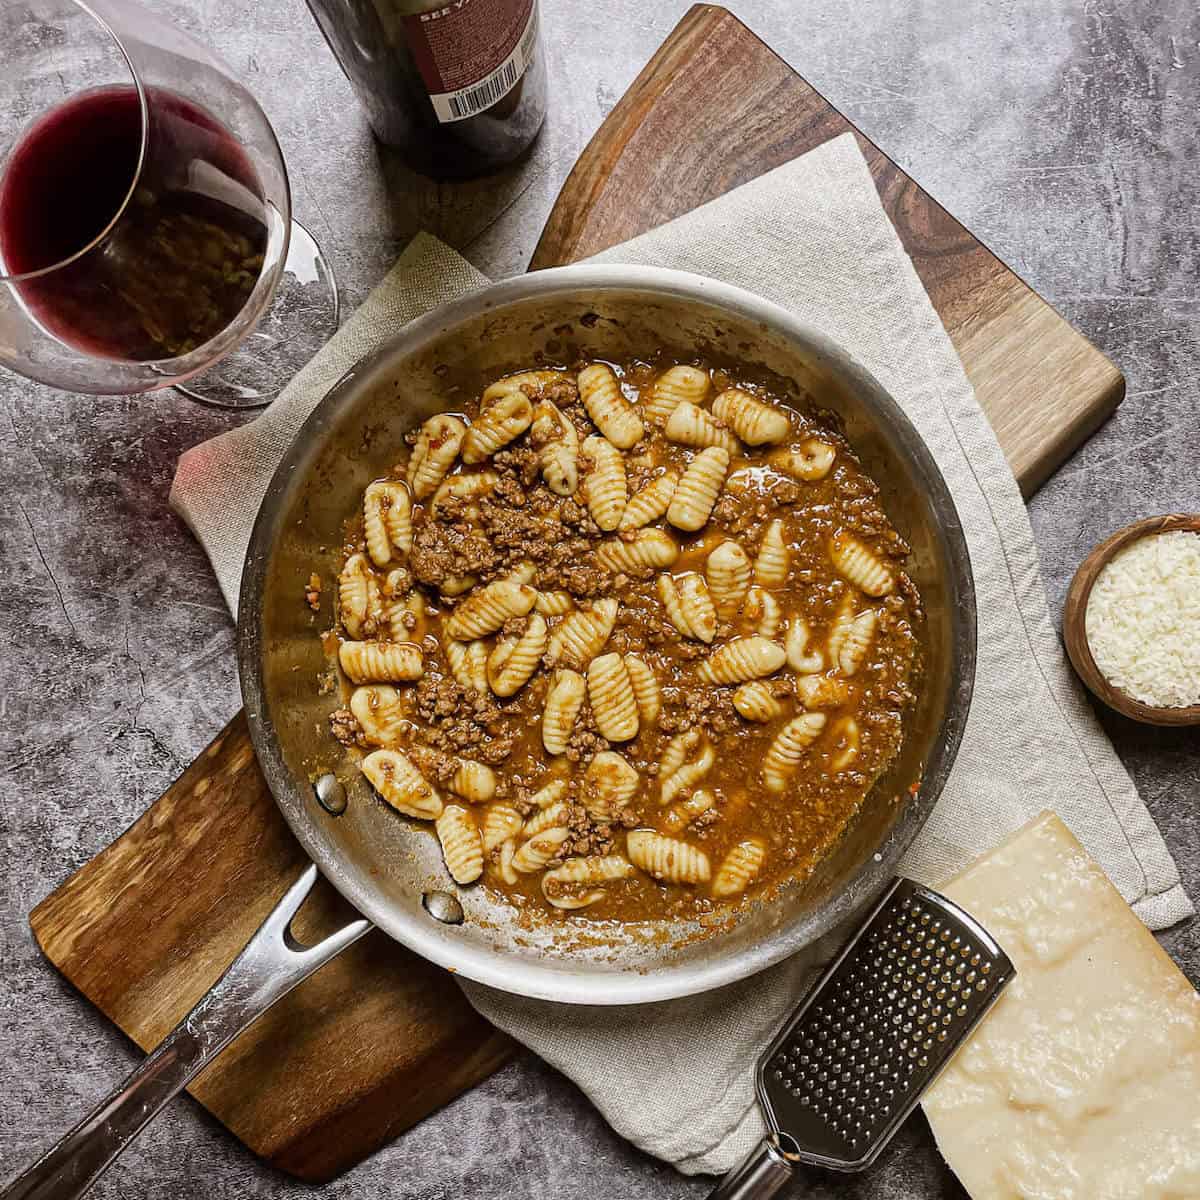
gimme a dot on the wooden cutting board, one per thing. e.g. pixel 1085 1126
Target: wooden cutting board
pixel 379 1038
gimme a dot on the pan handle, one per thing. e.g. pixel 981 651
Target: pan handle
pixel 768 1168
pixel 272 963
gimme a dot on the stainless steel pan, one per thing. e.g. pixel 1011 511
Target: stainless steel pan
pixel 388 869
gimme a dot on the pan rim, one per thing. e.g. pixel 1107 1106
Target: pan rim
pixel 493 967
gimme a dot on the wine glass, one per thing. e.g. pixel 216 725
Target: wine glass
pixel 146 237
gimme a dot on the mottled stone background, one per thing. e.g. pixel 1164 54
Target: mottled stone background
pixel 1063 132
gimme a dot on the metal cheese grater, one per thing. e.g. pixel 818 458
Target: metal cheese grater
pixel 869 1038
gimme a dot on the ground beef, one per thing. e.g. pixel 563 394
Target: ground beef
pixel 509 491
pixel 582 579
pixel 344 726
pixel 585 836
pixel 562 393
pixel 584 742
pixel 445 548
pixel 435 765
pixel 397 582
pixel 698 707
pixel 462 721
pixel 518 465
pixel 785 492
pixel 312 593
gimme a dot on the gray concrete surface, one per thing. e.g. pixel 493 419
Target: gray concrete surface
pixel 1063 132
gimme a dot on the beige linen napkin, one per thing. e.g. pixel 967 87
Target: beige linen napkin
pixel 812 235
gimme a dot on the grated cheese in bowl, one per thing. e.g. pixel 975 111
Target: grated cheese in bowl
pixel 1143 620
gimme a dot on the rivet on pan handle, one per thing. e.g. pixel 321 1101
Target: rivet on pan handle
pixel 270 966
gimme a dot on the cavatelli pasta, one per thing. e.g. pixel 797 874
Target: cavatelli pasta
pixel 810 461
pixel 545 818
pixel 860 565
pixel 679 816
pixel 610 693
pixel 398 781
pixel 650 502
pixel 529 382
pixel 564 699
pixel 677 750
pixel 850 639
pixel 358 596
pixel 608 785
pixel 674 386
pixel 557 443
pixel 496 426
pixel 524 572
pixel 379 712
pixel 486 610
pixel 500 822
pixel 514 659
pixel 468 487
pixel 728 571
pixel 582 635
pixel 554 604
pixel 605 489
pixel 800 658
pixel 455 585
pixel 649 550
pixel 381 662
pixel 473 781
pixel 462 846
pixel 433 453
pixel 757 702
pixel 693 500
pixel 763 612
pixel 468 664
pixel 667 859
pixel 534 853
pixel 387 521
pixel 611 413
pixel 742 659
pixel 687 774
pixel 771 562
pixel 783 756
pixel 689 606
pixel 404 616
pixel 550 793
pixel 692 426
pixel 504 861
pixel 580 881
pixel 739 868
pixel 847 740
pixel 756 423
pixel 646 691
pixel 821 691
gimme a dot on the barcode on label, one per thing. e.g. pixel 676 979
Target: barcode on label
pixel 457 104
pixel 467 103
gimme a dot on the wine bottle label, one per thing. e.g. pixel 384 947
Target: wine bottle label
pixel 472 53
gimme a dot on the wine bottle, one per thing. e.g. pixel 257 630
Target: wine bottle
pixel 459 87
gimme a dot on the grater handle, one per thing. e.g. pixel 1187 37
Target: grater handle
pixel 769 1168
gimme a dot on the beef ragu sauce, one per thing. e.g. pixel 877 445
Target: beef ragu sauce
pixel 521 523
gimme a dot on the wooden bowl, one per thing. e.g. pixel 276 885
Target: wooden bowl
pixel 1075 622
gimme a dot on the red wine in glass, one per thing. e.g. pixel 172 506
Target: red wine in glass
pixel 184 250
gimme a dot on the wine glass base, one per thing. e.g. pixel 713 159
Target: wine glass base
pixel 302 317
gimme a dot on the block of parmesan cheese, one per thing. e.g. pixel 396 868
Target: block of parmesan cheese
pixel 1083 1083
